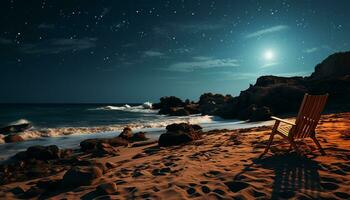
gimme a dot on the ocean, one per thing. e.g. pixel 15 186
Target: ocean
pixel 66 125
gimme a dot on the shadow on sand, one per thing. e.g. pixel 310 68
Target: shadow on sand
pixel 293 174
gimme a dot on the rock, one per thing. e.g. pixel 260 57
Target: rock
pixel 178 112
pixel 39 153
pixel 15 127
pixel 255 113
pixel 139 136
pixel 169 139
pixel 91 144
pixel 126 133
pixel 107 188
pixel 192 108
pixel 180 127
pixel 335 65
pixel 103 149
pixel 44 153
pixel 260 114
pixel 179 134
pixel 169 102
pixel 81 175
pixel 117 141
pixel 213 104
pixel 196 127
pixel 13 138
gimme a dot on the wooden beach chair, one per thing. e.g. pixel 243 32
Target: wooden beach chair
pixel 305 124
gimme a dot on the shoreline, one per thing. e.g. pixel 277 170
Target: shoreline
pixel 72 140
pixel 221 165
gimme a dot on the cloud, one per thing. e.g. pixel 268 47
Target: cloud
pixel 267 31
pixel 55 46
pixel 269 65
pixel 310 50
pixel 199 64
pixel 46 26
pixel 314 49
pixel 150 53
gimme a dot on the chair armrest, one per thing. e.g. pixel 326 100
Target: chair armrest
pixel 282 120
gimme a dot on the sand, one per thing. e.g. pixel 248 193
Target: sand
pixel 225 165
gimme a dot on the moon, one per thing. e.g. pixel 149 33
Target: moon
pixel 269 55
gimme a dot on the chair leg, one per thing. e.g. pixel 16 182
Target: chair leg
pixel 268 144
pixel 294 145
pixel 318 145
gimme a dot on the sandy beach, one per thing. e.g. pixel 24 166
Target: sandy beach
pixel 224 164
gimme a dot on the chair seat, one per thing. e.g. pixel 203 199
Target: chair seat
pixel 284 130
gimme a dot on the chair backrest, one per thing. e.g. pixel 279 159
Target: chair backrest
pixel 309 115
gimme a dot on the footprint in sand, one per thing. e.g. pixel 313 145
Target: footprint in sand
pixel 236 186
pixel 329 186
pixel 342 195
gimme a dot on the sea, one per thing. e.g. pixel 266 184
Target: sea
pixel 66 125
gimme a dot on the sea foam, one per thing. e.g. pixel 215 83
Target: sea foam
pixel 144 108
pixel 157 123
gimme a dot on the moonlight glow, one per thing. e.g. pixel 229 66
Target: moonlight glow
pixel 269 55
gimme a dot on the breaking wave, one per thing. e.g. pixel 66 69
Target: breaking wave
pixel 144 108
pixel 157 123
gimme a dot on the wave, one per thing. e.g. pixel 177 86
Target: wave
pixel 144 108
pixel 157 123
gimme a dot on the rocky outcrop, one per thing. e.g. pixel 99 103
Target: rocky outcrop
pixel 93 144
pixel 15 128
pixel 273 94
pixel 174 106
pixel 335 65
pixel 13 138
pixel 178 134
pixel 126 134
pixel 81 175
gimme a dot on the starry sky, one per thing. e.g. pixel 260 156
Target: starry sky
pixel 117 51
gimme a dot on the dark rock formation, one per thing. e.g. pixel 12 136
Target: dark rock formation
pixel 215 104
pixel 179 134
pixel 168 102
pixel 139 136
pixel 336 65
pixel 92 144
pixel 40 153
pixel 126 133
pixel 81 175
pixel 15 128
pixel 13 138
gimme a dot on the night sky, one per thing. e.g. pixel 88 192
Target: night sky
pixel 136 51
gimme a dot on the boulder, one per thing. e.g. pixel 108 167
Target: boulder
pixel 255 113
pixel 103 149
pixel 13 138
pixel 126 133
pixel 174 138
pixel 335 65
pixel 168 102
pixel 178 112
pixel 44 152
pixel 179 134
pixel 39 153
pixel 139 136
pixel 192 108
pixel 81 175
pixel 91 144
pixel 15 127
